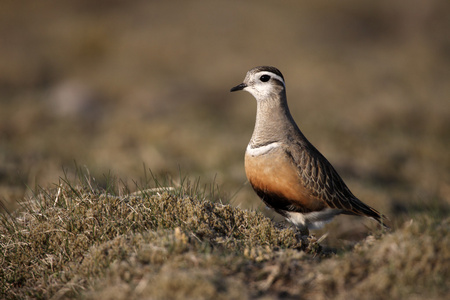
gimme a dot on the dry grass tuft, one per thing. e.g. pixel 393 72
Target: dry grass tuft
pixel 77 241
pixel 414 260
pixel 64 236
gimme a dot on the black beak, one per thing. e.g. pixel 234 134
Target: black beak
pixel 238 87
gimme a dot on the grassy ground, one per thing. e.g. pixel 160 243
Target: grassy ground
pixel 76 241
pixel 120 88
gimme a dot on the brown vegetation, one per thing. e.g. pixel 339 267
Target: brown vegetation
pixel 115 85
pixel 77 241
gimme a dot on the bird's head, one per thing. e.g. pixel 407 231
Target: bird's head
pixel 262 82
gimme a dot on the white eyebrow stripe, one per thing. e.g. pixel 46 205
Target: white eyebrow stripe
pixel 273 75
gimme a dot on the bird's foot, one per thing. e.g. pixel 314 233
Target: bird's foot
pixel 304 231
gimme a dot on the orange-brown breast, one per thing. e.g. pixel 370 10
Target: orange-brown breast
pixel 275 176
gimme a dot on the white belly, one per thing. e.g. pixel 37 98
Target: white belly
pixel 312 220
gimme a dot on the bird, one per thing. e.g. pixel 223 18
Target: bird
pixel 285 170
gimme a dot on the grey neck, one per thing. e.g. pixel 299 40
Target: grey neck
pixel 274 122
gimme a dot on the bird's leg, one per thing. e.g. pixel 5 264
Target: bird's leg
pixel 302 237
pixel 304 231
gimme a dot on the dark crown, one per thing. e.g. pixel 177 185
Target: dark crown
pixel 269 69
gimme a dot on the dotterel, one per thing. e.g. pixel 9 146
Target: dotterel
pixel 286 171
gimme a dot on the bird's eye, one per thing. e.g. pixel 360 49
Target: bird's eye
pixel 264 78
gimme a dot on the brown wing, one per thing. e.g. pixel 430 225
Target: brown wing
pixel 323 182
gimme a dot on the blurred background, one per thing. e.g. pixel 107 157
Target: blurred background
pixel 116 85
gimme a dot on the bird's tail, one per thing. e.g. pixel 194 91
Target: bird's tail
pixel 383 220
pixel 363 209
pixel 379 217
